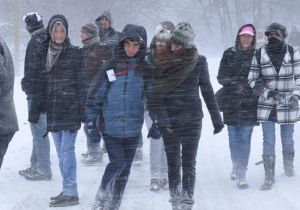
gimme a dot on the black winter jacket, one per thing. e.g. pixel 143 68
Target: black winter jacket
pixel 239 104
pixel 94 56
pixel 8 116
pixel 183 104
pixel 66 91
pixel 35 63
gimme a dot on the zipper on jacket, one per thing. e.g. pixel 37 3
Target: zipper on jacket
pixel 124 99
pixel 54 99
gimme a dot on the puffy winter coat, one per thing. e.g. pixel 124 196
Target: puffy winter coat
pixel 237 99
pixel 8 122
pixel 66 91
pixel 184 105
pixel 119 102
pixel 35 63
pixel 94 56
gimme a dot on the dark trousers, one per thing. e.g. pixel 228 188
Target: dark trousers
pixel 4 142
pixel 181 148
pixel 121 153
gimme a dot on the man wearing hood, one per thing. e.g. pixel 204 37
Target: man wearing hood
pixel 108 35
pixel 237 101
pixel 275 73
pixel 116 97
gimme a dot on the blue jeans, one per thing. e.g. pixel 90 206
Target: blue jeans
pixel 239 145
pixel 40 155
pixel 65 147
pixel 121 153
pixel 287 141
pixel 92 142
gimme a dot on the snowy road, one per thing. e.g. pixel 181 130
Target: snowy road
pixel 214 190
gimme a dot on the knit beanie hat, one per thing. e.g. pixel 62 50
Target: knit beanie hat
pixel 163 30
pixel 277 28
pixel 90 29
pixel 33 21
pixel 183 35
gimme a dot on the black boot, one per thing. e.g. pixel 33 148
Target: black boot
pixel 269 165
pixel 103 196
pixel 288 164
pixel 117 193
pixel 175 198
pixel 64 200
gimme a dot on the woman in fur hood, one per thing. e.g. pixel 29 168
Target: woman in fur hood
pixel 176 103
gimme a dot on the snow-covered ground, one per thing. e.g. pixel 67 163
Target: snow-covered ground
pixel 214 190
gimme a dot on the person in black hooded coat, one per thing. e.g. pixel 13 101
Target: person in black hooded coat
pixel 65 104
pixel 238 103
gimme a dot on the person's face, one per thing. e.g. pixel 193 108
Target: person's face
pixel 275 35
pixel 160 47
pixel 246 40
pixel 131 48
pixel 83 36
pixel 105 23
pixel 59 34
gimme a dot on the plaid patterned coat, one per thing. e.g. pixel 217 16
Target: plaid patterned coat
pixel 286 82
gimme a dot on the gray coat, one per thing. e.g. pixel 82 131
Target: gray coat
pixel 8 116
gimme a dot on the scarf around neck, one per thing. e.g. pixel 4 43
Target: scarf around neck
pixel 173 69
pixel 54 51
pixel 90 42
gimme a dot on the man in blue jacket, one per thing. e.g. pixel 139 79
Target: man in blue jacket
pixel 116 97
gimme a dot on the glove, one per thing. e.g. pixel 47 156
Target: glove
pixel 218 127
pixel 294 97
pixel 168 130
pixel 33 117
pixel 240 89
pixel 258 88
pixel 91 128
pixel 293 101
pixel 274 94
pixel 154 132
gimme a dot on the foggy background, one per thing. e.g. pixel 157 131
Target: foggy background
pixel 215 22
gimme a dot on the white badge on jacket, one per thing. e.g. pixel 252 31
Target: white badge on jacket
pixel 111 75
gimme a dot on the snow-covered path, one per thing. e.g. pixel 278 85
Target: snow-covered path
pixel 214 190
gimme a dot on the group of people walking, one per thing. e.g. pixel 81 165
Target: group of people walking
pixel 109 83
pixel 260 85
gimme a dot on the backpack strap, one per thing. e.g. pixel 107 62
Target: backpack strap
pixel 291 51
pixel 258 57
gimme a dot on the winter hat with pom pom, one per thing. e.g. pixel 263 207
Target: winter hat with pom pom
pixel 163 30
pixel 183 35
pixel 33 21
